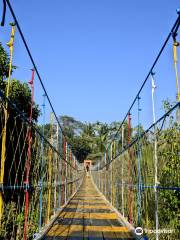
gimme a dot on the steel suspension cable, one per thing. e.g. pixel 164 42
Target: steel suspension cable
pixel 144 133
pixel 34 66
pixel 4 13
pixel 173 31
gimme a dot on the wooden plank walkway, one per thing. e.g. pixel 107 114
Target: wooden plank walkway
pixel 88 216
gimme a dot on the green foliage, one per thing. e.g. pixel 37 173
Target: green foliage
pixel 16 149
pixel 4 64
pixel 88 140
pixel 8 229
pixel 170 157
pixel 20 94
pixel 81 148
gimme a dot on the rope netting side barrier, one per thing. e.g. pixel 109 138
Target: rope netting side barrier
pixel 52 179
pixel 53 176
pixel 139 172
pixel 39 172
pixel 133 194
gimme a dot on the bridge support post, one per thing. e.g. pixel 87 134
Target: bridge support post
pixel 155 157
pixel 122 172
pixel 50 170
pixel 130 214
pixel 139 165
pixel 42 165
pixel 111 152
pixel 65 196
pixel 28 161
pixel 60 168
pixel 105 190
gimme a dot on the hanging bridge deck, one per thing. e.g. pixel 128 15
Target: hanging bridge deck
pixel 88 216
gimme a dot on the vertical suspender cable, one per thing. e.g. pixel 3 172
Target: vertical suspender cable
pixel 111 157
pixel 50 170
pixel 71 173
pixel 65 191
pixel 55 170
pixel 155 157
pixel 105 178
pixel 175 45
pixel 68 170
pixel 114 179
pixel 176 69
pixel 60 170
pixel 4 130
pixel 130 217
pixel 99 175
pixel 63 171
pixel 42 164
pixel 28 161
pixel 122 171
pixel 139 165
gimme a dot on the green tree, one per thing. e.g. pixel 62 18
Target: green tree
pixel 16 145
pixel 4 64
pixel 81 148
pixel 170 167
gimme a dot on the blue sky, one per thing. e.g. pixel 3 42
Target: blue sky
pixel 93 55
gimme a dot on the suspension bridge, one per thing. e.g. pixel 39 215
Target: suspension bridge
pixel 132 192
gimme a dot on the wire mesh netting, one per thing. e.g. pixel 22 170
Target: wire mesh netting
pixel 53 174
pixel 129 181
pixel 39 172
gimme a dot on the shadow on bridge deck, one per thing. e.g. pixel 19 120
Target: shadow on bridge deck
pixel 88 216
